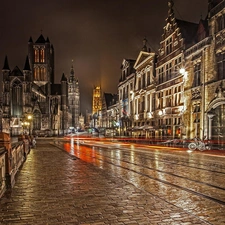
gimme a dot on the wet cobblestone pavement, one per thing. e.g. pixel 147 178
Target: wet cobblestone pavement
pixel 53 187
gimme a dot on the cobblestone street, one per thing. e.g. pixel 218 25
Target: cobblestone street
pixel 53 187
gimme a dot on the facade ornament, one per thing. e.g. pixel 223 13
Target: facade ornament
pixel 170 5
pixel 220 91
pixel 196 93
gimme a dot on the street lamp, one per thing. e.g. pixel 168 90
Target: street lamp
pixel 29 118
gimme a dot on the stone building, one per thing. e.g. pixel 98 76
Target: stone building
pixel 31 101
pixel 74 101
pixel 126 93
pixel 96 106
pixel 144 93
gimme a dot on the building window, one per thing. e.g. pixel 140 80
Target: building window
pixel 143 80
pixel 161 74
pixel 169 45
pixel 177 96
pixel 148 77
pixel 148 103
pixel 160 100
pixel 197 75
pixel 168 71
pixel 36 55
pixel 220 23
pixel 139 83
pixel 220 58
pixel 42 55
pixel 37 120
pixel 177 67
pixel 168 98
pixel 37 74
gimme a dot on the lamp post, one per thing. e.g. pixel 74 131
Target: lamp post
pixel 29 118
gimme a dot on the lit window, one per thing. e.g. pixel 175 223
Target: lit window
pixel 42 55
pixel 36 55
pixel 169 45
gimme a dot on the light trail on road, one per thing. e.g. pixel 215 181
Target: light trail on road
pixel 193 182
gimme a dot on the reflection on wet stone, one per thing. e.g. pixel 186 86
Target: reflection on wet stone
pixel 113 186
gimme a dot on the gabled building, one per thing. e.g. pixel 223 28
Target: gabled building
pixel 178 35
pixel 144 93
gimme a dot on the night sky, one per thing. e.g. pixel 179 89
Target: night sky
pixel 96 34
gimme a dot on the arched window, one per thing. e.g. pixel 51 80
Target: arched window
pixel 42 55
pixel 218 123
pixel 17 98
pixel 36 120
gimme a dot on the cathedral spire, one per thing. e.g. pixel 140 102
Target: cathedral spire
pixel 72 73
pixel 63 79
pixel 27 65
pixel 6 64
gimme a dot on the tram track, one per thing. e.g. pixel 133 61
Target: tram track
pixel 177 163
pixel 110 159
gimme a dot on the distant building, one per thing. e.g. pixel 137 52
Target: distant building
pixel 31 101
pixel 96 106
pixel 73 100
pixel 97 100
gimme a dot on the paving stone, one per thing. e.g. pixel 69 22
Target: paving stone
pixel 52 189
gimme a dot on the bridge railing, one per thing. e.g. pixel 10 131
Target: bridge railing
pixel 12 156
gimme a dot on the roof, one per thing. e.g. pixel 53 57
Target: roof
pixel 27 64
pixel 188 31
pixel 40 40
pixel 16 72
pixel 6 64
pixel 63 77
pixel 30 40
pixel 110 99
pixel 38 89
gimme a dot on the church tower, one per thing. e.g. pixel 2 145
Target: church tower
pixel 41 58
pixel 73 99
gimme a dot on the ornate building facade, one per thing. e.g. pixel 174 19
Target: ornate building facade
pixel 126 94
pixel 97 106
pixel 31 102
pixel 144 93
pixel 180 91
pixel 73 100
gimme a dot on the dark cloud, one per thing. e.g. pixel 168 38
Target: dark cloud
pixel 97 34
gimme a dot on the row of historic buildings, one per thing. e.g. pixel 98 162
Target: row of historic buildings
pixel 32 102
pixel 178 92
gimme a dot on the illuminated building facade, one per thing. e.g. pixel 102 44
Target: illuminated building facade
pixel 31 94
pixel 169 97
pixel 180 93
pixel 126 93
pixel 97 106
pixel 74 100
pixel 97 100
pixel 144 93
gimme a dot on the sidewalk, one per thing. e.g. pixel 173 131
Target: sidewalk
pixel 54 188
